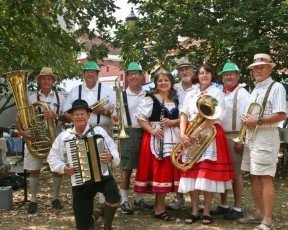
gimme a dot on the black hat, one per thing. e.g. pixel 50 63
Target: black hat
pixel 79 104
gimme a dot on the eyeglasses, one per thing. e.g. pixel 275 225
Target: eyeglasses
pixel 229 75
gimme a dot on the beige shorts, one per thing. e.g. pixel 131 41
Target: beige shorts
pixel 31 162
pixel 261 155
pixel 236 156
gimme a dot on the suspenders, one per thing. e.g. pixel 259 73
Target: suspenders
pixel 98 98
pixel 125 101
pixel 58 104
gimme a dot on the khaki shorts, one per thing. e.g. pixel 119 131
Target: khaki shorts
pixel 236 156
pixel 31 162
pixel 261 155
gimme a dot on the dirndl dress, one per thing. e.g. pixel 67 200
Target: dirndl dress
pixel 154 175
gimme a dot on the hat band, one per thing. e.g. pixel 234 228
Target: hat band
pixel 262 60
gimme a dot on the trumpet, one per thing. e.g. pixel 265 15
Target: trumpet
pixel 242 132
pixel 102 102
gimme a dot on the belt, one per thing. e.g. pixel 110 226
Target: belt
pixel 232 132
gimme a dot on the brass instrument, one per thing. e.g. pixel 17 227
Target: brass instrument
pixel 207 110
pixel 118 130
pixel 102 102
pixel 242 132
pixel 42 130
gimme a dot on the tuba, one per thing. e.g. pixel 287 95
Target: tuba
pixel 118 131
pixel 184 160
pixel 242 132
pixel 30 117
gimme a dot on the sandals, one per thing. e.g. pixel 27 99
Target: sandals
pixel 263 226
pixel 206 220
pixel 250 219
pixel 164 216
pixel 192 219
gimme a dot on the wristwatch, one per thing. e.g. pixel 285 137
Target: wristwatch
pixel 260 121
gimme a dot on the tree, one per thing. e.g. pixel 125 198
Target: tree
pixel 209 31
pixel 34 34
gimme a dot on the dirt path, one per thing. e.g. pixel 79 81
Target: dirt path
pixel 48 218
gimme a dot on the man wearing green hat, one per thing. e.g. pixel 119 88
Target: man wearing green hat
pixel 236 100
pixel 92 91
pixel 130 148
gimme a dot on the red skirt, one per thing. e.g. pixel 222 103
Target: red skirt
pixel 220 170
pixel 153 175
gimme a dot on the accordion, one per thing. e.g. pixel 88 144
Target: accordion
pixel 84 155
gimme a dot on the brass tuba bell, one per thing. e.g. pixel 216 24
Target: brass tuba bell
pixel 42 130
pixel 184 160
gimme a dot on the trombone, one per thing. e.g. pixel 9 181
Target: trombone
pixel 118 130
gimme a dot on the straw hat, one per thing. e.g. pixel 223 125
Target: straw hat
pixel 46 71
pixel 262 59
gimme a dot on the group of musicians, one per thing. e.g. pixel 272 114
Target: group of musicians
pixel 155 122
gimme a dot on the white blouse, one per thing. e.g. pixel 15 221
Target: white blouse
pixel 171 134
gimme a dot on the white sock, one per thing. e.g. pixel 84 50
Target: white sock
pixel 138 197
pixel 124 195
pixel 34 183
pixel 224 206
pixel 101 198
pixel 237 209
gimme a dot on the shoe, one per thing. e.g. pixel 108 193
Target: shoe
pixel 206 220
pixel 32 208
pixel 164 216
pixel 192 219
pixel 263 226
pixel 220 211
pixel 56 204
pixel 142 204
pixel 251 219
pixel 126 208
pixel 177 203
pixel 233 215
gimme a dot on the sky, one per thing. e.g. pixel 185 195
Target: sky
pixel 121 14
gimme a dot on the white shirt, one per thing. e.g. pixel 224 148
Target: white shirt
pixel 276 101
pixel 57 157
pixel 189 104
pixel 51 101
pixel 133 101
pixel 90 96
pixel 182 92
pixel 242 102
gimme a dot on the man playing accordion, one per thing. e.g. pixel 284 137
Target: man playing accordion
pixel 83 194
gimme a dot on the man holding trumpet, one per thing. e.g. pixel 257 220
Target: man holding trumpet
pixel 260 154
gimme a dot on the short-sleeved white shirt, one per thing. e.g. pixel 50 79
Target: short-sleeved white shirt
pixel 182 92
pixel 242 101
pixel 51 101
pixel 133 101
pixel 189 104
pixel 276 101
pixel 90 96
